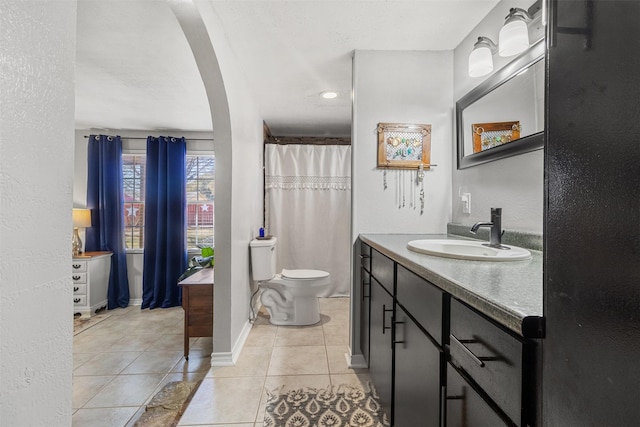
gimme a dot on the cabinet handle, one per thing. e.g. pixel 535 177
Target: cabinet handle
pixel 394 325
pixel 385 310
pixel 76 277
pixel 466 349
pixel 75 288
pixel 365 256
pixel 76 300
pixel 77 266
pixel 363 294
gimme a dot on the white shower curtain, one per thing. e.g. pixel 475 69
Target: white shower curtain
pixel 308 198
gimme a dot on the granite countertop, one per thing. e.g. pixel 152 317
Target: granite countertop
pixel 508 292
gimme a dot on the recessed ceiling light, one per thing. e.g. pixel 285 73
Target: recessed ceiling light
pixel 329 95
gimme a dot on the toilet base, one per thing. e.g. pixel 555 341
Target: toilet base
pixel 298 311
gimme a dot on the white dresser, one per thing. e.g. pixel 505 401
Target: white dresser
pixel 90 275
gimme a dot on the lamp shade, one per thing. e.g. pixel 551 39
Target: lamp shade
pixel 82 218
pixel 514 37
pixel 480 62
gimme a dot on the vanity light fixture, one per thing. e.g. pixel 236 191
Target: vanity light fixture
pixel 480 58
pixel 329 94
pixel 514 35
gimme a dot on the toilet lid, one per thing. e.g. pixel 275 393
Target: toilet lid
pixel 304 274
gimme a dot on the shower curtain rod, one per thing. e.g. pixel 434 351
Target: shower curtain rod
pixel 144 137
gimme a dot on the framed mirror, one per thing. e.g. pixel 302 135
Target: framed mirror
pixel 504 115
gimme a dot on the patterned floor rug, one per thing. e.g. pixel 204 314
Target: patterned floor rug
pixel 335 406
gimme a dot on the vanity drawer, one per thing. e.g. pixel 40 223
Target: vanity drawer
pixel 382 270
pixel 490 356
pixel 79 300
pixel 79 277
pixel 79 288
pixel 78 266
pixel 365 256
pixel 422 300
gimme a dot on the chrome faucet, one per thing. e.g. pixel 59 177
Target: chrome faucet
pixel 495 236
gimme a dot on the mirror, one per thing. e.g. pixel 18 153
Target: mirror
pixel 504 115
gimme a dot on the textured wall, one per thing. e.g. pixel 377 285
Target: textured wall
pixel 514 184
pixel 237 130
pixel 401 87
pixel 36 171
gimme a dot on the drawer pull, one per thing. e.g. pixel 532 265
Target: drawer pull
pixel 77 266
pixel 363 294
pixel 75 288
pixel 76 300
pixel 76 277
pixel 469 353
pixel 385 310
pixel 365 256
pixel 394 325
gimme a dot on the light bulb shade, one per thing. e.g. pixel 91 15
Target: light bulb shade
pixel 514 37
pixel 480 62
pixel 82 218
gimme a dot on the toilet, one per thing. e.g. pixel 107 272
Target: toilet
pixel 291 297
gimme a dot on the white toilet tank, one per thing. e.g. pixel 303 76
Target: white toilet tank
pixel 263 258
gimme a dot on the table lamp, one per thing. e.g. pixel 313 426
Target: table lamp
pixel 81 219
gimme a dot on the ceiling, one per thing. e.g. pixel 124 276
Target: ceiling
pixel 136 71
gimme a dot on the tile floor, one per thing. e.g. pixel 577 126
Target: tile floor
pixel 122 362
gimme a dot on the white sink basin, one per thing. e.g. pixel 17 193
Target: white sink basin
pixel 467 249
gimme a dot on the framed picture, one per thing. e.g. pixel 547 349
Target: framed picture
pixel 404 145
pixel 489 135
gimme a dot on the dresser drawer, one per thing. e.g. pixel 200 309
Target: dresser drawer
pixel 79 277
pixel 490 356
pixel 78 266
pixel 382 270
pixel 79 300
pixel 79 288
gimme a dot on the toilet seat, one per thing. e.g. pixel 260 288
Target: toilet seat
pixel 303 274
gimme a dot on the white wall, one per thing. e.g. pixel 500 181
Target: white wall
pixel 397 87
pixel 401 87
pixel 36 166
pixel 516 183
pixel 237 128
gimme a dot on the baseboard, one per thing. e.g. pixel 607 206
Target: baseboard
pixel 356 361
pixel 222 359
pixel 135 301
pixel 230 358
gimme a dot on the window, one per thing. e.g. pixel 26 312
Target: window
pixel 133 173
pixel 200 200
pixel 200 179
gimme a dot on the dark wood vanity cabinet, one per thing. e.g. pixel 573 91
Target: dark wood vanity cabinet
pixel 495 364
pixel 464 405
pixel 381 351
pixel 419 358
pixel 381 314
pixel 365 299
pixel 405 355
pixel 417 381
pixel 436 361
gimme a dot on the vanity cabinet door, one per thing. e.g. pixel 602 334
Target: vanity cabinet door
pixel 465 407
pixel 365 313
pixel 381 351
pixel 417 385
